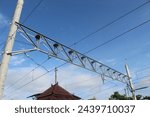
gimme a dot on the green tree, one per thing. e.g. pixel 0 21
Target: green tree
pixel 146 98
pixel 118 96
pixel 139 97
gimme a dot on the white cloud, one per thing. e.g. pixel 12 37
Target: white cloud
pixel 71 78
pixel 18 77
pixel 17 60
pixel 143 82
pixel 143 86
pixel 77 80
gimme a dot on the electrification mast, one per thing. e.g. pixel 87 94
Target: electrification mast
pixel 9 45
pixel 130 82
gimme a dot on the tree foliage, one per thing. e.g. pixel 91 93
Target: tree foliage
pixel 118 96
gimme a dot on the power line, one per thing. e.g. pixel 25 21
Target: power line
pixel 115 37
pixel 32 80
pixel 27 55
pixel 36 77
pixel 97 92
pixel 21 42
pixel 115 85
pixel 27 74
pixel 26 20
pixel 94 48
pixel 97 77
pixel 95 87
pixel 145 78
pixel 32 11
pixel 29 15
pixel 90 79
pixel 99 28
pixel 110 23
pixel 104 90
pixel 118 36
pixel 49 72
pixel 144 69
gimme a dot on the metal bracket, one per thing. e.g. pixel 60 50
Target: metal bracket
pixel 21 52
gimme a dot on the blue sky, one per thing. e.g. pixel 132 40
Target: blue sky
pixel 68 21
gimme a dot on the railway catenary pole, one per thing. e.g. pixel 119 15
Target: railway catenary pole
pixel 9 45
pixel 130 82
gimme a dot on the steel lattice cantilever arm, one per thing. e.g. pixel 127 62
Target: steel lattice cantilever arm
pixel 55 49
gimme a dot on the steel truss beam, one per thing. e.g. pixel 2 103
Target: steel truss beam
pixel 55 49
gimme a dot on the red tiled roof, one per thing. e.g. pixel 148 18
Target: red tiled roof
pixel 56 92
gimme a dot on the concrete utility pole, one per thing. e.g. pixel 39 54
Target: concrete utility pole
pixel 9 46
pixel 130 82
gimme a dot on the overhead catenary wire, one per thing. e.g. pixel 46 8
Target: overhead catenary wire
pixel 27 55
pixel 95 87
pixel 116 37
pixel 21 42
pixel 144 69
pixel 29 15
pixel 32 11
pixel 113 39
pixel 101 27
pixel 97 77
pixel 106 89
pixel 92 49
pixel 49 72
pixel 92 88
pixel 27 74
pixel 147 77
pixel 110 23
pixel 103 91
pixel 115 85
pixel 87 80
